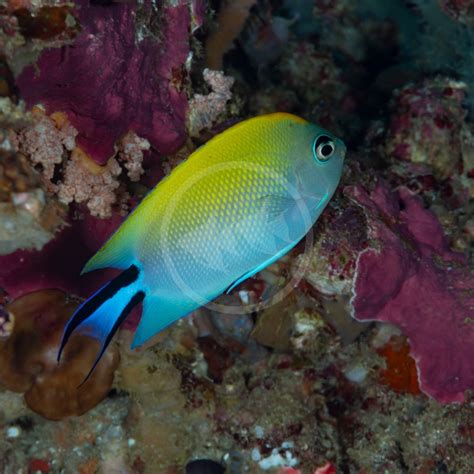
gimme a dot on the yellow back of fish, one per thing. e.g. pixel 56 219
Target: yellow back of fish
pixel 212 181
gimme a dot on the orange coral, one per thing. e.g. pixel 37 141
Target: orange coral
pixel 28 358
pixel 230 20
pixel 400 373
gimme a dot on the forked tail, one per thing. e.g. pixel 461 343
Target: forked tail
pixel 101 315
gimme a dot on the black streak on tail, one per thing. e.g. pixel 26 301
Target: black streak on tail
pixel 138 298
pixel 92 304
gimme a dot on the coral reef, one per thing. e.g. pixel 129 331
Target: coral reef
pixel 27 28
pixel 28 217
pixel 59 263
pixel 47 140
pixel 110 82
pixel 427 125
pixel 365 366
pixel 28 358
pixel 69 173
pixel 426 293
pixel 205 109
pixel 460 10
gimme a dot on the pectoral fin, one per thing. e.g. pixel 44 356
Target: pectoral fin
pixel 288 220
pixel 271 207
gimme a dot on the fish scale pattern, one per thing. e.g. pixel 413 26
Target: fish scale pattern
pixel 215 228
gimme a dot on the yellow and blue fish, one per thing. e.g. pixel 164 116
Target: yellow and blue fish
pixel 236 205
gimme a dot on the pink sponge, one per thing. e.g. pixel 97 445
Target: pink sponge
pixel 409 277
pixel 117 77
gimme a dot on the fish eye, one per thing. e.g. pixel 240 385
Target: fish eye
pixel 323 148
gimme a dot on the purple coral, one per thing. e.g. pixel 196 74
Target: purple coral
pixel 117 77
pixel 408 276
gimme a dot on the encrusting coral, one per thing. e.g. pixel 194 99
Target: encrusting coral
pixel 427 293
pixel 29 218
pixel 28 358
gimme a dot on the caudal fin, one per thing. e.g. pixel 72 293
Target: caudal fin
pixel 101 315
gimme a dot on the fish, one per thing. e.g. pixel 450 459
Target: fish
pixel 234 206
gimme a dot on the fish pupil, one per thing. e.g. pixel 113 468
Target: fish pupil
pixel 326 150
pixel 323 148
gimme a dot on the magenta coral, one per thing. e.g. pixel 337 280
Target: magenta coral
pixel 117 78
pixel 409 277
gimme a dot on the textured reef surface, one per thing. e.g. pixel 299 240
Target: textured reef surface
pixel 366 366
